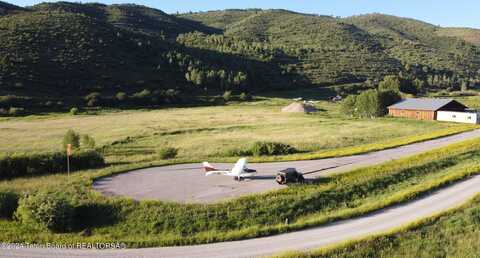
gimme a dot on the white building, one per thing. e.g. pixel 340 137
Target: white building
pixel 459 117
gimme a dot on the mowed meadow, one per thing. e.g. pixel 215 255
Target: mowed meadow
pixel 209 132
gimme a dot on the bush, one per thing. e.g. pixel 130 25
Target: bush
pixel 93 99
pixel 8 205
pixel 227 95
pixel 390 82
pixel 271 148
pixel 245 96
pixel 121 96
pixel 87 142
pixel 12 100
pixel 15 111
pixel 167 153
pixel 74 111
pixel 94 214
pixel 49 210
pixel 71 137
pixel 370 103
pixel 348 105
pixel 12 166
pixel 142 94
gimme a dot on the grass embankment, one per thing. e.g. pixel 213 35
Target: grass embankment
pixel 455 233
pixel 154 223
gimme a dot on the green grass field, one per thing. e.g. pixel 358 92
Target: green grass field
pixel 211 132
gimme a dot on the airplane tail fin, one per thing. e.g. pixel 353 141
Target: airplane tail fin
pixel 208 167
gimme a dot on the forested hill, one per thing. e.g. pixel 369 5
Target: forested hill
pixel 59 55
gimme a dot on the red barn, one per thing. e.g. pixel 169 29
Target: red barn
pixel 424 109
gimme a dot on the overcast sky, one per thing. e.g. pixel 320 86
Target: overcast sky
pixel 458 13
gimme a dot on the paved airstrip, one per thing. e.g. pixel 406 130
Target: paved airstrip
pixel 187 183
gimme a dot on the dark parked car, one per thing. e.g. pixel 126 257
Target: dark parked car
pixel 289 175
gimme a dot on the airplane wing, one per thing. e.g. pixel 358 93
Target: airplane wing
pixel 239 167
pixel 216 172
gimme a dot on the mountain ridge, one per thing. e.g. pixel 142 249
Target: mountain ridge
pixel 103 52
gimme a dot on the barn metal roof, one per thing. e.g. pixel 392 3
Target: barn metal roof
pixel 422 104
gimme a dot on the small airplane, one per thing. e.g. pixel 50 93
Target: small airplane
pixel 238 172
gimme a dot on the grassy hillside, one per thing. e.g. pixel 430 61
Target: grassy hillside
pixel 321 48
pixel 416 42
pixel 467 34
pixel 61 55
pixel 133 17
pixel 130 55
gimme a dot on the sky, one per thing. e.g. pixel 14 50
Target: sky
pixel 447 13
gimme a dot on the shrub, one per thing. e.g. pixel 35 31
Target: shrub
pixel 227 95
pixel 71 137
pixel 36 164
pixel 15 111
pixel 172 96
pixel 12 100
pixel 74 111
pixel 236 153
pixel 87 142
pixel 167 153
pixel 121 96
pixel 49 210
pixel 271 148
pixel 92 214
pixel 245 96
pixel 348 105
pixel 93 99
pixel 370 103
pixel 390 82
pixel 142 94
pixel 8 204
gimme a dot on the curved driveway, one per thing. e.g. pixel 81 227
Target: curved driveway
pixel 380 221
pixel 188 183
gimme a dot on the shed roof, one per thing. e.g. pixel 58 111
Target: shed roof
pixel 423 104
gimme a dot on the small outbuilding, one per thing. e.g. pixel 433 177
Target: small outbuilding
pixel 429 109
pixel 299 107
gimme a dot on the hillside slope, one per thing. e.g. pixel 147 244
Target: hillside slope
pixel 72 54
pixel 413 41
pixel 6 8
pixel 64 54
pixel 336 50
pixel 467 34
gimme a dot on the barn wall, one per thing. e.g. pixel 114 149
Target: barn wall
pixel 415 114
pixel 459 117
